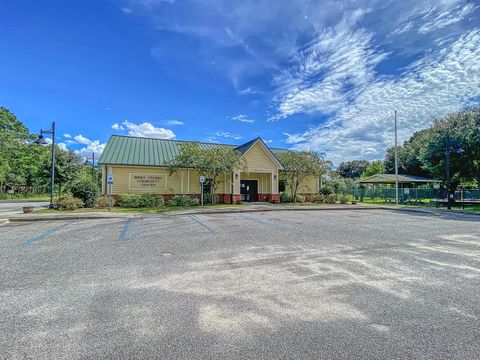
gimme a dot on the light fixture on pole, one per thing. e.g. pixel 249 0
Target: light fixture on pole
pixel 93 164
pixel 396 160
pixel 41 141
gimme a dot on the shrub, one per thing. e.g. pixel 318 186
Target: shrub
pixel 326 190
pixel 85 190
pixel 285 197
pixel 140 200
pixel 330 199
pixel 343 199
pixel 183 200
pixel 318 198
pixel 68 202
pixel 102 202
pixel 208 200
pixel 300 198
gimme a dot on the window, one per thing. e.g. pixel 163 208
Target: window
pixel 282 184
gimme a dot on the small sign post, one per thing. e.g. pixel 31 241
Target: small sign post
pixel 202 181
pixel 109 184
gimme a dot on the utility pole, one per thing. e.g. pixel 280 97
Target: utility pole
pixel 396 160
pixel 447 165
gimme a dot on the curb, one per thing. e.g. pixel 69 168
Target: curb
pixel 229 211
pixel 77 217
pixel 234 211
pixel 14 201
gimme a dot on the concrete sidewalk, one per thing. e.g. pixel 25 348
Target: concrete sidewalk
pixel 269 207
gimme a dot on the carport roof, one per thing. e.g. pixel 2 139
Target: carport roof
pixel 139 151
pixel 390 179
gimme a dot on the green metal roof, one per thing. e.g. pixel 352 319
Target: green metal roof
pixel 390 179
pixel 129 150
pixel 244 147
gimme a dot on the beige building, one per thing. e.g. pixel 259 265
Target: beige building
pixel 139 165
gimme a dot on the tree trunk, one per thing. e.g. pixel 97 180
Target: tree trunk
pixel 296 189
pixel 212 192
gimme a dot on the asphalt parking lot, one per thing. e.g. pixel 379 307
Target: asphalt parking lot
pixel 272 285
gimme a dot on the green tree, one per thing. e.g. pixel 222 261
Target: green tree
pixel 352 169
pixel 18 159
pixel 298 165
pixel 373 168
pixel 409 162
pixel 424 154
pixel 68 165
pixel 213 163
pixel 10 125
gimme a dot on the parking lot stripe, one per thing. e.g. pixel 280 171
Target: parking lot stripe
pixel 46 233
pixel 194 218
pixel 262 221
pixel 123 234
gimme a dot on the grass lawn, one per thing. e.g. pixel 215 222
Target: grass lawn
pixel 7 197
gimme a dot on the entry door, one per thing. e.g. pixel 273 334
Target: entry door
pixel 249 190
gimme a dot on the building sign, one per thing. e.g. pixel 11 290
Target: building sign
pixel 148 182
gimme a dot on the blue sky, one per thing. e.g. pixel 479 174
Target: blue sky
pixel 302 74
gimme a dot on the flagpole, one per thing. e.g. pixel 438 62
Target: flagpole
pixel 396 161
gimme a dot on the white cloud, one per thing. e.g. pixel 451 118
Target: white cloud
pixel 174 122
pixel 226 134
pixel 67 136
pixel 242 118
pixel 339 59
pixel 80 139
pixel 147 129
pixel 440 18
pixel 117 127
pixel 439 83
pixel 93 146
pixel 89 146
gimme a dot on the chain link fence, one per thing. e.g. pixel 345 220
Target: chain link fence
pixel 416 196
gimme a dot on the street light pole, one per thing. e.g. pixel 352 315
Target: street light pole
pixel 93 164
pixel 396 160
pixel 40 141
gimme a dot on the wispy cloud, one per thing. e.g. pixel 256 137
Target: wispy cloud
pixel 340 59
pixel 437 17
pixel 435 85
pixel 242 118
pixel 227 135
pixel 173 122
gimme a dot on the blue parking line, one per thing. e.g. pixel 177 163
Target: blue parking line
pixel 262 221
pixel 123 234
pixel 46 233
pixel 194 218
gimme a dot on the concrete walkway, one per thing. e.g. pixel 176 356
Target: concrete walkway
pixel 268 207
pixel 12 207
